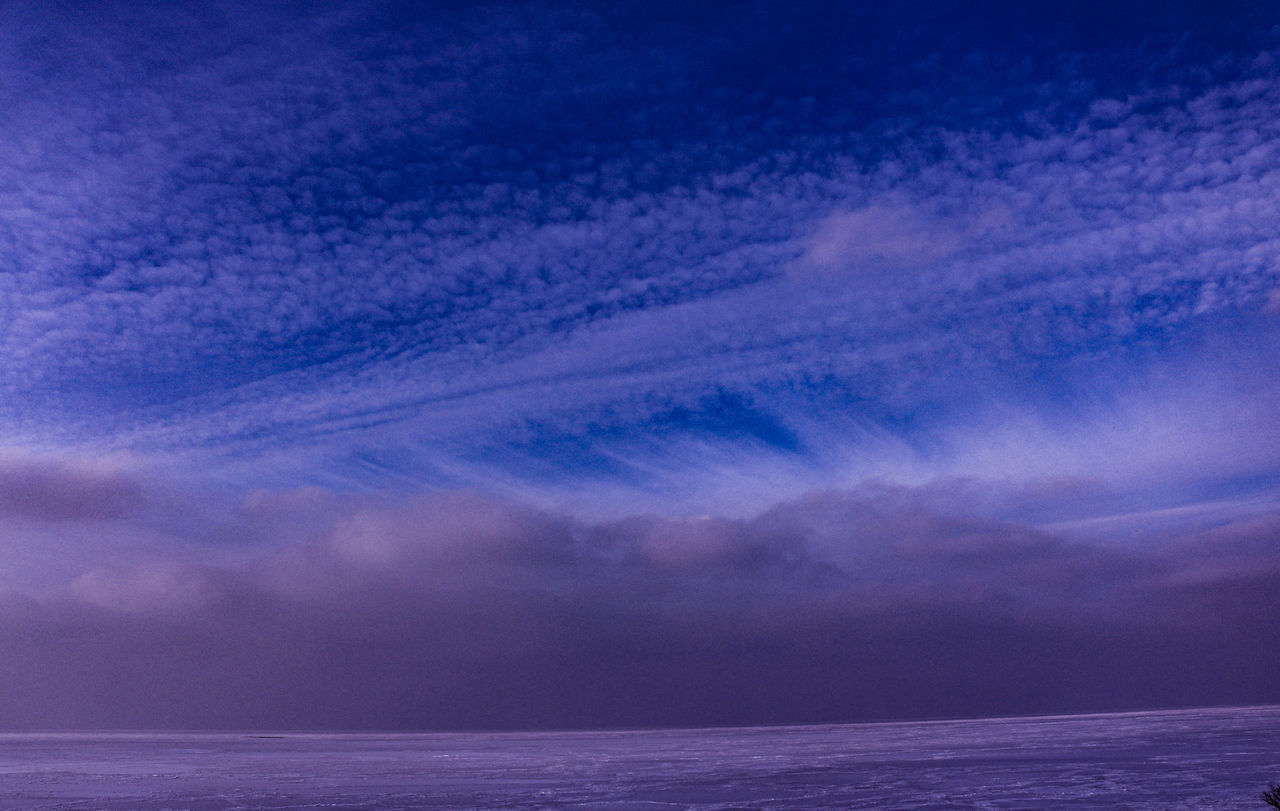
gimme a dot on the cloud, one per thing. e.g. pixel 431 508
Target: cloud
pixel 54 490
pixel 454 610
pixel 962 349
pixel 264 247
pixel 893 236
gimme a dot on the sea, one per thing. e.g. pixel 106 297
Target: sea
pixel 1200 759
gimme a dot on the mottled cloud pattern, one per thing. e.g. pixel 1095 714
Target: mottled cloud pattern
pixel 556 364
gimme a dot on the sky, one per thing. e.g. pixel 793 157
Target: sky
pixel 594 364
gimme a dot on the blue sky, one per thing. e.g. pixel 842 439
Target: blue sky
pixel 690 264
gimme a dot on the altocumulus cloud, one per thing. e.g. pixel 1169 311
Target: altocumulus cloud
pixel 387 250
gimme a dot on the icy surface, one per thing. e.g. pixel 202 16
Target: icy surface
pixel 1220 758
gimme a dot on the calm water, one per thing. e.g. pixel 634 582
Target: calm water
pixel 1185 759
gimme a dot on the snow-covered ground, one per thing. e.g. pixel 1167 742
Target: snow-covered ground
pixel 1215 758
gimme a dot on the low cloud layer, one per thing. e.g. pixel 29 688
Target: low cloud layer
pixel 454 610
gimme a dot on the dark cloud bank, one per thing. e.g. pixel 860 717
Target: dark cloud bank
pixel 456 611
